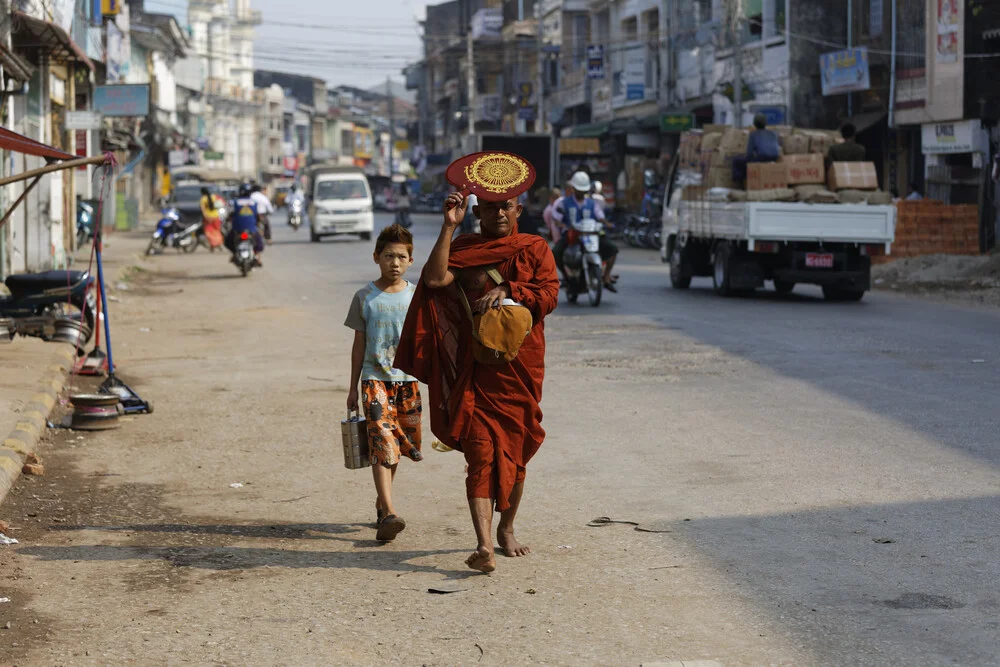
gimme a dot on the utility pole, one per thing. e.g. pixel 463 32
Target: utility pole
pixel 392 122
pixel 470 80
pixel 540 122
pixel 850 36
pixel 737 32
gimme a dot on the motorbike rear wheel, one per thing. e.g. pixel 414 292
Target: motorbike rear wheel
pixel 595 284
pixel 154 245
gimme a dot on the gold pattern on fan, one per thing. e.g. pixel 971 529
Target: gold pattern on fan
pixel 497 172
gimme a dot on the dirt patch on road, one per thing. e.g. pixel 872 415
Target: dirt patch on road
pixel 963 279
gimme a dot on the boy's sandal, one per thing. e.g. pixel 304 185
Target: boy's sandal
pixel 415 455
pixel 389 527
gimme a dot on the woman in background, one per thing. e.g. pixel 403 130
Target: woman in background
pixel 210 219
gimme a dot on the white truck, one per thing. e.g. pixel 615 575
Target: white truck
pixel 743 244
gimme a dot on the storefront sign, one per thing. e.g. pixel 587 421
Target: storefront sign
pixel 595 61
pixel 487 23
pixel 176 158
pixel 676 122
pixel 291 163
pixel 525 103
pixel 635 75
pixel 83 120
pixel 601 108
pixel 845 71
pixel 111 7
pixel 774 113
pixel 80 137
pixel 948 16
pixel 216 155
pixel 957 137
pixel 122 100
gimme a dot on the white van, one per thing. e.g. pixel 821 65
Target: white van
pixel 340 202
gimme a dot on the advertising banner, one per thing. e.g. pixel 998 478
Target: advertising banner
pixel 845 71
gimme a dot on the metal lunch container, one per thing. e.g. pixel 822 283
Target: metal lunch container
pixel 354 431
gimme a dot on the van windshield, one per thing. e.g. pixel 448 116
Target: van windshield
pixel 341 190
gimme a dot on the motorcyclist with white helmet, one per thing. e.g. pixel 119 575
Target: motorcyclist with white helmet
pixel 577 205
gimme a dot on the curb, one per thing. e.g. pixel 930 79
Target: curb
pixel 32 424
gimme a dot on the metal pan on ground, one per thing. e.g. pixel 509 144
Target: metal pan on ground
pixel 95 412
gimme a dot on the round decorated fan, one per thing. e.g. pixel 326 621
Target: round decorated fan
pixel 491 176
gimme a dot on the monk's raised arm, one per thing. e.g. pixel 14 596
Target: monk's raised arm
pixel 436 272
pixel 541 294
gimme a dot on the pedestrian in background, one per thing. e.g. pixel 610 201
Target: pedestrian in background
pixel 210 219
pixel 550 223
pixel 390 397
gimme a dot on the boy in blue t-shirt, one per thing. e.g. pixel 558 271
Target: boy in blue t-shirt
pixel 391 398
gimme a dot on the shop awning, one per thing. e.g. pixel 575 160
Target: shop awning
pixel 590 131
pixel 36 33
pixel 14 65
pixel 12 141
pixel 866 121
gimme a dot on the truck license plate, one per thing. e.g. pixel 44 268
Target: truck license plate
pixel 815 260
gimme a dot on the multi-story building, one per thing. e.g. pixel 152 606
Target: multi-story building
pixel 222 36
pixel 305 110
pixel 270 133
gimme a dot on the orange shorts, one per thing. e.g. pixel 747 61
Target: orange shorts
pixel 393 411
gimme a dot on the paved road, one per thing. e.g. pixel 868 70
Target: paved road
pixel 822 480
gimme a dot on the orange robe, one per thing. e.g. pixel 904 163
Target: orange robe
pixel 489 412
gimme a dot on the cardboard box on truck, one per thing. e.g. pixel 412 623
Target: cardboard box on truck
pixel 805 169
pixel 766 176
pixel 852 176
pixel 794 144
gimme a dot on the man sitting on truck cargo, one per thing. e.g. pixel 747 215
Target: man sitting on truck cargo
pixel 849 151
pixel 763 145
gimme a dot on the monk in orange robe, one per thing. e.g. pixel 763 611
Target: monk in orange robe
pixel 489 412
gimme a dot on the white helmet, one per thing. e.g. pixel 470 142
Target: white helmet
pixel 580 182
pixel 597 187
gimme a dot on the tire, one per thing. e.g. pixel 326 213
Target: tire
pixel 191 245
pixel 679 279
pixel 571 296
pixel 365 236
pixel 313 237
pixel 783 286
pixel 720 270
pixel 153 245
pixel 245 270
pixel 595 285
pixel 841 294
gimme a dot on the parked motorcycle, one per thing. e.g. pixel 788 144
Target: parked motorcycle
pixel 243 254
pixel 584 270
pixel 171 233
pixel 45 296
pixel 84 223
pixel 295 213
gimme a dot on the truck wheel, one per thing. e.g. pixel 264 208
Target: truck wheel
pixel 680 272
pixel 365 236
pixel 720 270
pixel 840 294
pixel 783 286
pixel 313 237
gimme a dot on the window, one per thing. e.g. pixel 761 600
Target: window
pixel 581 32
pixel 346 140
pixel 341 190
pixel 630 29
pixel 753 10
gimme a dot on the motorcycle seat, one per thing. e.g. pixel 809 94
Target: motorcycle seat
pixel 42 281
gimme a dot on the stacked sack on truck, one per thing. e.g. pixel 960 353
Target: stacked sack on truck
pixel 720 145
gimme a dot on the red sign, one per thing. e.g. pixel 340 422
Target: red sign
pixel 81 147
pixel 291 163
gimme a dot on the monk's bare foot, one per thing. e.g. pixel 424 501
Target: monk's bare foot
pixel 482 560
pixel 511 547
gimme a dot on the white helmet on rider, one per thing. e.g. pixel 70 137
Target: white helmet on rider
pixel 580 182
pixel 597 187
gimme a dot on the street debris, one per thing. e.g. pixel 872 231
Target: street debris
pixel 121 286
pixel 144 329
pixel 7 540
pixel 4 526
pixel 565 546
pixel 651 527
pixel 32 458
pixel 2 600
pixel 979 361
pixel 113 299
pixel 236 485
pixel 315 379
pixel 445 589
pixel 33 469
pixel 531 591
pixel 883 540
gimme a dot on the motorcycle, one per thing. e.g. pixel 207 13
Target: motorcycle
pixel 295 213
pixel 582 264
pixel 403 218
pixel 34 296
pixel 243 254
pixel 170 233
pixel 84 223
